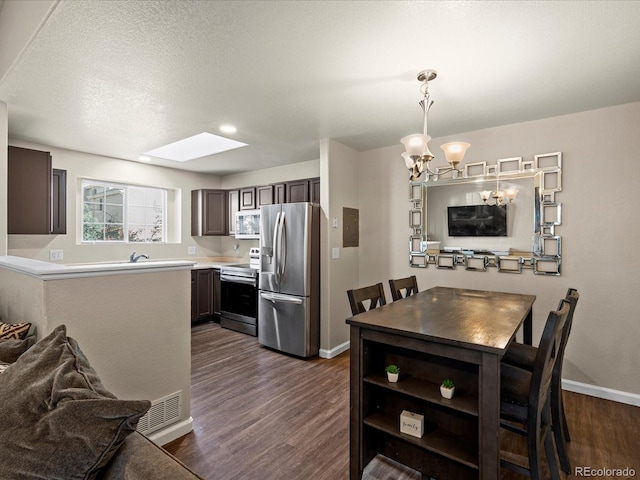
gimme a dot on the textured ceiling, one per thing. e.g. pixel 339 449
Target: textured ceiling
pixel 119 78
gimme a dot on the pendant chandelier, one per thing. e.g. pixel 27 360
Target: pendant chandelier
pixel 500 197
pixel 417 154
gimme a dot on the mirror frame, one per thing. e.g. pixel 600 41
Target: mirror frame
pixel 545 257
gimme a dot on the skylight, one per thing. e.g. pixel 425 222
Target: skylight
pixel 201 145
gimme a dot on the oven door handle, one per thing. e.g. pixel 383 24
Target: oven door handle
pixel 274 297
pixel 236 279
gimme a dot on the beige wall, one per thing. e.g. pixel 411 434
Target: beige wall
pixel 600 228
pixel 134 329
pixel 339 164
pixel 4 125
pixel 81 165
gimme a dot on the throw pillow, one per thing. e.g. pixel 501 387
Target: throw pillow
pixel 12 348
pixel 58 421
pixel 14 330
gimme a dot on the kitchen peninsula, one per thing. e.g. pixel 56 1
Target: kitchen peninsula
pixel 132 320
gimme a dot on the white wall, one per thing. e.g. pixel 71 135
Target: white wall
pixel 600 228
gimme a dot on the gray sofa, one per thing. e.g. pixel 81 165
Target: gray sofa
pixel 140 459
pixel 59 422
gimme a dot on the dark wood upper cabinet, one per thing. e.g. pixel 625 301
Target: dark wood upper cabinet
pixel 264 195
pixel 297 191
pixel 314 190
pixel 36 200
pixel 209 212
pixel 305 190
pixel 59 206
pixel 234 206
pixel 279 193
pixel 248 198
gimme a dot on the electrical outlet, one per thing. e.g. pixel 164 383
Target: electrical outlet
pixel 335 252
pixel 191 250
pixel 334 222
pixel 55 255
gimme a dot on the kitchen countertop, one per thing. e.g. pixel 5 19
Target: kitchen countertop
pixel 53 271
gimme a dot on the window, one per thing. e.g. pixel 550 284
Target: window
pixel 123 213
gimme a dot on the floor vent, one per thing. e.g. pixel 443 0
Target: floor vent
pixel 163 411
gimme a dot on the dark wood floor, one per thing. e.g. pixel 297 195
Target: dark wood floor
pixel 262 415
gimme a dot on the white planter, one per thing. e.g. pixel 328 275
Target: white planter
pixel 447 392
pixel 393 377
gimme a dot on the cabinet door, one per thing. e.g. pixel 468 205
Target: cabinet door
pixel 279 193
pixel 29 203
pixel 234 206
pixel 217 293
pixel 298 191
pixel 59 206
pixel 194 295
pixel 314 190
pixel 208 212
pixel 215 212
pixel 264 195
pixel 204 293
pixel 247 198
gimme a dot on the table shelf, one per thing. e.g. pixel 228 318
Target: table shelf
pixel 435 439
pixel 428 391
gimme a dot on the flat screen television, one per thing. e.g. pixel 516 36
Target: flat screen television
pixel 477 221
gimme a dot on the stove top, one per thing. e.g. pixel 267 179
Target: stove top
pixel 239 270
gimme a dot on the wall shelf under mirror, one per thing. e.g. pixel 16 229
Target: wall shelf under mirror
pixel 527 241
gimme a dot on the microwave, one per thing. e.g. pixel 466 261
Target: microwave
pixel 248 224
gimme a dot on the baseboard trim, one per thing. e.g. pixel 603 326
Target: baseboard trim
pixel 334 352
pixel 170 433
pixel 602 392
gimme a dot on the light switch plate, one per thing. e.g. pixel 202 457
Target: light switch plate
pixel 335 252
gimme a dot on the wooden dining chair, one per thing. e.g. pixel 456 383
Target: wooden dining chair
pixel 408 284
pixel 357 297
pixel 523 356
pixel 525 399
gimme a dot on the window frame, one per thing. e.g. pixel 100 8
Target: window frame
pixel 126 206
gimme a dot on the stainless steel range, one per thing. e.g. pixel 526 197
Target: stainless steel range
pixel 239 289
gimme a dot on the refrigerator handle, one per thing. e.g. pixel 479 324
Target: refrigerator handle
pixel 278 244
pixel 274 297
pixel 275 246
pixel 283 245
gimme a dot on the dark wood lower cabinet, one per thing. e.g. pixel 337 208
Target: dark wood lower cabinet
pixel 205 294
pixel 216 292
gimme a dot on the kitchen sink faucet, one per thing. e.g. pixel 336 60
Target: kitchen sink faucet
pixel 133 258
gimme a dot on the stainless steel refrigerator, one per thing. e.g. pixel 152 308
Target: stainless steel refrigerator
pixel 289 286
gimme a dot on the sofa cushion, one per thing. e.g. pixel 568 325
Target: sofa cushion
pixel 16 331
pixel 58 421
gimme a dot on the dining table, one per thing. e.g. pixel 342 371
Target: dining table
pixel 443 332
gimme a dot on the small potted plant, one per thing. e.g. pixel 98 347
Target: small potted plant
pixel 392 373
pixel 447 388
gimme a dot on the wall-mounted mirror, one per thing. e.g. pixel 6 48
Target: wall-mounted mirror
pixel 454 217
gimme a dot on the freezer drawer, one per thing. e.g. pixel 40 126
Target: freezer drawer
pixel 287 324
